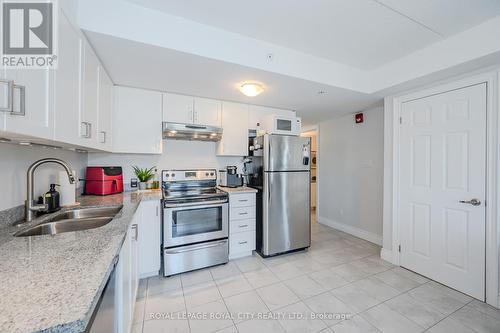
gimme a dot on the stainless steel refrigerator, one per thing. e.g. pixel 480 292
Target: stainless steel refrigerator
pixel 283 208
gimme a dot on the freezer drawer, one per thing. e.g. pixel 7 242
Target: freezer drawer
pixel 187 258
pixel 286 221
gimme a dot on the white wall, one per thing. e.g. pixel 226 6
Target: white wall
pixel 351 173
pixel 176 155
pixel 14 162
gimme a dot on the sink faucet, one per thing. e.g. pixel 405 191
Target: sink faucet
pixel 30 205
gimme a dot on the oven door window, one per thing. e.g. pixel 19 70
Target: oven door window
pixel 197 221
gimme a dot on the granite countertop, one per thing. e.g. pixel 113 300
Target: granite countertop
pixel 241 189
pixel 53 283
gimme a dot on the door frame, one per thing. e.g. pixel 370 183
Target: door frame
pixel 492 163
pixel 315 128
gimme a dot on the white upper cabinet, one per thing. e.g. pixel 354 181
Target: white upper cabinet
pixel 235 130
pixel 32 113
pixel 67 89
pixel 207 112
pixel 90 90
pixel 256 113
pixel 105 110
pixel 191 110
pixel 4 93
pixel 137 121
pixel 178 108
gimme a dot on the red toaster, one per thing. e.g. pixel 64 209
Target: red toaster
pixel 103 180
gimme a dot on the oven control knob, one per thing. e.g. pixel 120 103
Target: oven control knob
pixel 167 175
pixel 173 175
pixel 211 173
pixel 206 174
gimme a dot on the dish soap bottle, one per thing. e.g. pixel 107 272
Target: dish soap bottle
pixel 52 199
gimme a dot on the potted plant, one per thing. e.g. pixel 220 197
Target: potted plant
pixel 144 175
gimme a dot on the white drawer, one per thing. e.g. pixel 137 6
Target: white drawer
pixel 242 213
pixel 241 242
pixel 236 226
pixel 242 200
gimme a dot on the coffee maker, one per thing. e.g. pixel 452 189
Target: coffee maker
pixel 229 177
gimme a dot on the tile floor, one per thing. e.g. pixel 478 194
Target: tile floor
pixel 339 285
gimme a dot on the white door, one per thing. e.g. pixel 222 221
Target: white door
pixel 443 162
pixel 149 239
pixel 207 112
pixel 178 108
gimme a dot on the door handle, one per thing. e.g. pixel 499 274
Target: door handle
pixel 473 202
pixel 88 130
pixel 10 96
pixel 22 101
pixel 135 227
pixel 103 137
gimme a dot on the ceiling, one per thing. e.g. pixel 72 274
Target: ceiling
pixel 151 67
pixel 364 34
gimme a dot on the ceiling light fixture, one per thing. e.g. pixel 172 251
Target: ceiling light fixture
pixel 251 89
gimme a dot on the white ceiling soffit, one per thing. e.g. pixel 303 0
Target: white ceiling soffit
pixel 152 67
pixel 127 20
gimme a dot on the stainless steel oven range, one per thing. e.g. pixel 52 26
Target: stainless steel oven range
pixel 195 221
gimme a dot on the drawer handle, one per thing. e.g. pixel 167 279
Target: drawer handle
pixel 243 226
pixel 243 213
pixel 243 200
pixel 241 243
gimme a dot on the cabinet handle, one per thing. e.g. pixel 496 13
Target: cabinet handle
pixel 196 116
pixel 103 136
pixel 10 96
pixel 135 227
pixel 88 130
pixel 190 113
pixel 243 213
pixel 22 100
pixel 156 210
pixel 243 226
pixel 241 243
pixel 243 200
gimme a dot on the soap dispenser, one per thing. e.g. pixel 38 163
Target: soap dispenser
pixel 52 199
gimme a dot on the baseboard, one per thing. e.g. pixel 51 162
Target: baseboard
pixel 386 255
pixel 360 233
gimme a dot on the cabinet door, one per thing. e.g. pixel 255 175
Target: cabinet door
pixel 67 89
pixel 33 114
pixel 137 126
pixel 178 108
pixel 4 93
pixel 256 113
pixel 235 130
pixel 123 283
pixel 90 90
pixel 105 110
pixel 149 239
pixel 207 112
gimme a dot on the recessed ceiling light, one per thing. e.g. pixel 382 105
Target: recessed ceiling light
pixel 251 89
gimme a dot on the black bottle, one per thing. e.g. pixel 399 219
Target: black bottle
pixel 51 199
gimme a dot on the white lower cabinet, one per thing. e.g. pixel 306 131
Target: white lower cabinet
pixel 149 239
pixel 242 236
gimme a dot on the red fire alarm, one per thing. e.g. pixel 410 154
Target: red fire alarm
pixel 358 117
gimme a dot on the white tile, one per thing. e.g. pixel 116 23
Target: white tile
pixel 286 271
pixel 260 326
pixel 328 279
pixel 304 286
pixel 201 293
pixel 261 277
pixel 159 284
pixel 396 281
pixel 369 266
pixel 330 258
pixel 277 295
pixel 233 285
pixel 355 298
pixel 307 265
pixel 420 313
pixel 212 317
pixel 303 324
pixel 448 325
pixel 436 298
pixel 485 308
pixel 389 321
pixel 476 320
pixel 376 289
pixel 274 261
pixel 166 302
pixel 231 329
pixel 195 277
pixel 410 275
pixel 451 292
pixel 136 328
pixel 349 272
pixel 143 288
pixel 139 311
pixel 355 325
pixel 330 308
pixel 166 325
pixel 249 264
pixel 245 306
pixel 224 271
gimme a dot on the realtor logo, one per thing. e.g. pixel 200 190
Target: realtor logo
pixel 28 34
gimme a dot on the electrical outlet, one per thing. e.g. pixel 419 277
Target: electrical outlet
pixel 133 182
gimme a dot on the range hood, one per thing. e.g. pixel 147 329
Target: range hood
pixel 193 132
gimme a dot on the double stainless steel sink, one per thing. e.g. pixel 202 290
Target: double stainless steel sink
pixel 72 220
